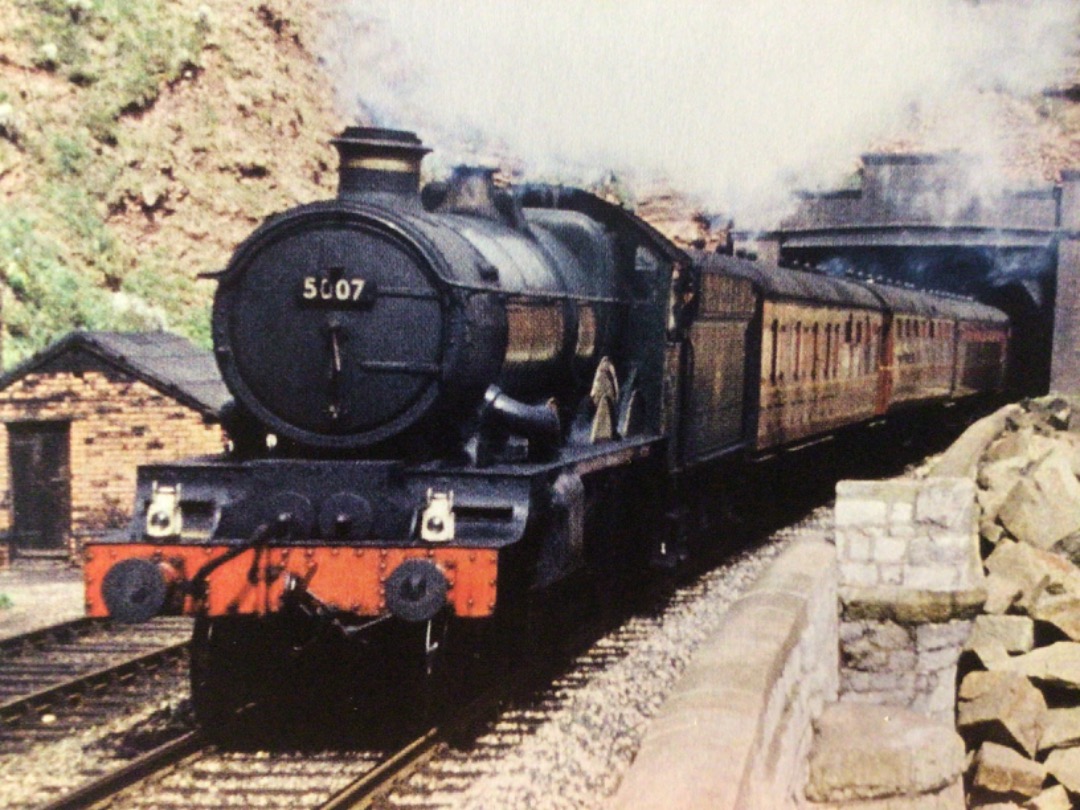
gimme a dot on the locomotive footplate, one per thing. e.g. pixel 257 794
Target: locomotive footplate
pixel 213 537
pixel 348 579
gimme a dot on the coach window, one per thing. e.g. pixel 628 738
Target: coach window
pixel 828 350
pixel 814 353
pixel 857 369
pixel 868 349
pixel 836 351
pixel 774 331
pixel 798 349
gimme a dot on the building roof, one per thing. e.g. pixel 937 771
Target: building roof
pixel 165 361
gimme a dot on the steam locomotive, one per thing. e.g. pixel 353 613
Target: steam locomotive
pixel 447 399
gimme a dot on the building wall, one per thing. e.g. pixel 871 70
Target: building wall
pixel 117 423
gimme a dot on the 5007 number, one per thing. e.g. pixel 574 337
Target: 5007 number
pixel 342 291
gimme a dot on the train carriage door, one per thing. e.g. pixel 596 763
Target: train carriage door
pixel 39 465
pixel 887 363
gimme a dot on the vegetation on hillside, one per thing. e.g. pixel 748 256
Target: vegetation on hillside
pixel 62 260
pixel 138 141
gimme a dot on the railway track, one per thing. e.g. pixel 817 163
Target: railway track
pixel 70 668
pixel 192 771
pixel 195 771
pixel 437 769
pixel 569 745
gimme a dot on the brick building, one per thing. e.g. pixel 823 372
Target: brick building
pixel 80 416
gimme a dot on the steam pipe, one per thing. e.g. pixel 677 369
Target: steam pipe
pixel 539 422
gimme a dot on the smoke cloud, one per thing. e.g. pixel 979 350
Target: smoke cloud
pixel 735 102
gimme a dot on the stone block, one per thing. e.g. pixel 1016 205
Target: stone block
pixel 854 545
pixel 949 798
pixel 1015 634
pixel 946 502
pixel 1059 609
pixel 1003 772
pixel 1055 798
pixel 1057 664
pixel 1048 585
pixel 936 696
pixel 1044 506
pixel 890 549
pixel 871 647
pixel 930 578
pixel 902 512
pixel 1002 707
pixel 1001 594
pixel 858 574
pixel 942 635
pixel 1061 729
pixel 988 656
pixel 890 574
pixel 910 606
pixel 1064 765
pixel 923 551
pixel 859 511
pixel 962 458
pixel 865 752
pixel 883 682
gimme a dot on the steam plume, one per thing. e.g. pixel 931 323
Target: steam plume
pixel 735 102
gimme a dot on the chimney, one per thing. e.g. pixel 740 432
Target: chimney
pixel 378 160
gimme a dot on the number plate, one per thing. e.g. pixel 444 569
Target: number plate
pixel 339 293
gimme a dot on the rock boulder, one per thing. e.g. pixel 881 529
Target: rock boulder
pixel 1003 707
pixel 868 752
pixel 1002 772
pixel 1043 507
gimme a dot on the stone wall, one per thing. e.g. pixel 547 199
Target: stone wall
pixel 117 423
pixel 1065 357
pixel 911 582
pixel 737 730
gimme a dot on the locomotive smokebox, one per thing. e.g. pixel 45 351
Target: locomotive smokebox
pixel 378 160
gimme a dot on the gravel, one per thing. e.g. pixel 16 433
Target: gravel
pixel 570 750
pixel 49 769
pixel 38 593
pixel 575 754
